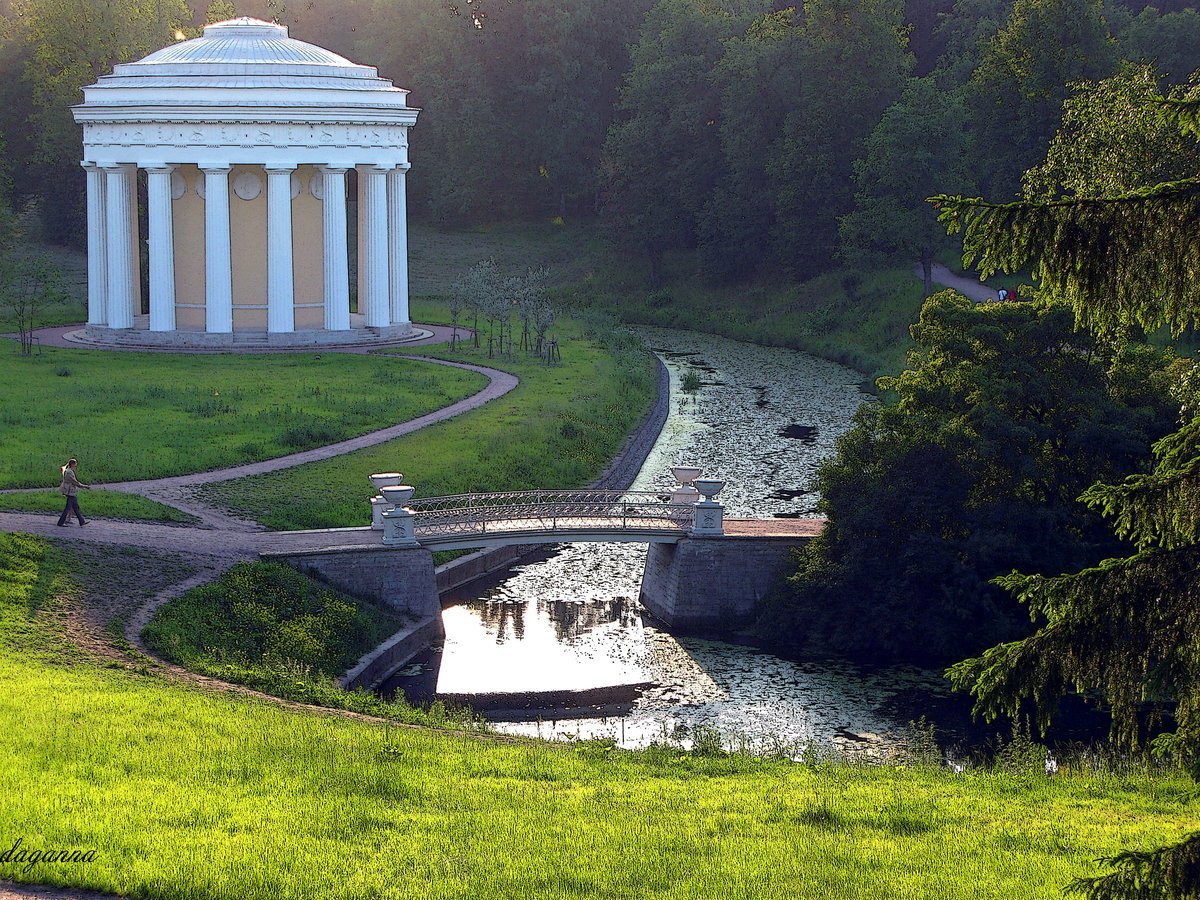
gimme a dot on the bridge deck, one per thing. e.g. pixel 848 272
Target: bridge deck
pixel 365 539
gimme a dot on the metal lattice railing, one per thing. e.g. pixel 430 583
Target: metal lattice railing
pixel 549 511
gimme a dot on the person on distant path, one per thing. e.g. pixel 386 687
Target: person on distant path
pixel 1003 295
pixel 71 484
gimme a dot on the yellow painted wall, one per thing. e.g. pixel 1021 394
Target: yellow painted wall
pixel 308 254
pixel 187 223
pixel 248 253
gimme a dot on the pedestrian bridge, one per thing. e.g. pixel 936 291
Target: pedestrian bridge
pixel 538 517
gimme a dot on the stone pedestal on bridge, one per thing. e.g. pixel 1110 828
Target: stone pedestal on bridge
pixel 705 584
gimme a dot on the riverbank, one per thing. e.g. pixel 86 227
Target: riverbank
pixel 858 319
pixel 152 769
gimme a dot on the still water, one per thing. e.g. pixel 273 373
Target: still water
pixel 559 646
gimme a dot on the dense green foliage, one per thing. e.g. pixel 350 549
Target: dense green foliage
pixel 267 613
pixel 971 466
pixel 129 416
pixel 919 147
pixel 726 129
pixel 147 769
pixel 558 428
pixel 272 629
pixel 1126 629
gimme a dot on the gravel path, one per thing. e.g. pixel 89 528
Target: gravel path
pixel 972 288
pixel 177 491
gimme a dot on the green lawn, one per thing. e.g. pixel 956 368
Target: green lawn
pixel 186 792
pixel 104 504
pixel 144 415
pixel 264 625
pixel 558 428
pixel 71 306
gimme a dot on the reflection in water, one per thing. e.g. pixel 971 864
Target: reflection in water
pixel 571 621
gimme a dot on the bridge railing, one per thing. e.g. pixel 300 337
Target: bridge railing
pixel 475 514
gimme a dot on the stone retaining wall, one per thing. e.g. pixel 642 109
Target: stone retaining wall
pixel 398 578
pixel 702 584
pixel 380 662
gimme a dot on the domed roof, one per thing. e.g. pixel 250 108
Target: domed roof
pixel 243 62
pixel 245 91
pixel 244 46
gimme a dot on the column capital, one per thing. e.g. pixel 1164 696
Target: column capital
pixel 214 168
pixel 377 167
pixel 279 168
pixel 158 168
pixel 116 167
pixel 333 170
pixel 89 166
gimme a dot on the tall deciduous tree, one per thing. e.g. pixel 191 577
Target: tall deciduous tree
pixel 1127 628
pixel 72 43
pixel 663 155
pixel 758 78
pixel 853 67
pixel 1016 93
pixel 919 146
pixel 1113 139
pixel 1003 416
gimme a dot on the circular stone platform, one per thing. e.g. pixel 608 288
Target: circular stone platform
pixel 144 339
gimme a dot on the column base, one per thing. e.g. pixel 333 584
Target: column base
pixel 140 337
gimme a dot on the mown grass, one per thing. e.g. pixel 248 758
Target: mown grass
pixel 558 428
pixel 104 504
pixel 189 793
pixel 266 626
pixel 145 415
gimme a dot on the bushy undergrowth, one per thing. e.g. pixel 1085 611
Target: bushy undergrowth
pixel 266 626
pixel 267 613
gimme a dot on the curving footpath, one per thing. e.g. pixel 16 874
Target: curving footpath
pixel 175 490
pixel 971 288
pixel 221 539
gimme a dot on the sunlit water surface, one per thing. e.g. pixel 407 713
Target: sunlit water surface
pixel 762 421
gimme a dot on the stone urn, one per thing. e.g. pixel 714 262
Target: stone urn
pixel 385 479
pixel 685 474
pixel 709 487
pixel 398 494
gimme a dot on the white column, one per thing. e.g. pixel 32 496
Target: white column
pixel 218 269
pixel 97 247
pixel 337 264
pixel 162 249
pixel 372 194
pixel 281 304
pixel 398 245
pixel 121 261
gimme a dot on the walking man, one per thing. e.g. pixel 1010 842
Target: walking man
pixel 70 485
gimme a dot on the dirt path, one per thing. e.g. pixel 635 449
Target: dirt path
pixel 177 491
pixel 968 287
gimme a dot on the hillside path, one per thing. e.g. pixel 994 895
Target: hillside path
pixel 971 288
pixel 178 491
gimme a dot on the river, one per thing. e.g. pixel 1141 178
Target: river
pixel 569 621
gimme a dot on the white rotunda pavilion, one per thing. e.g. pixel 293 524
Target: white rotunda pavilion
pixel 246 136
